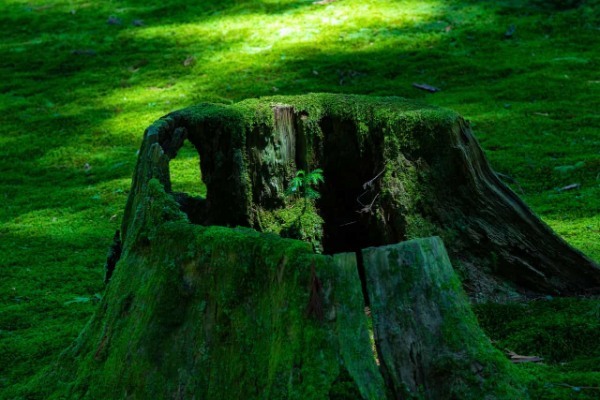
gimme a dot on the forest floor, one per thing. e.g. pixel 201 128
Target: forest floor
pixel 82 79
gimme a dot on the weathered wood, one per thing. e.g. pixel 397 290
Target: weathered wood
pixel 197 311
pixel 219 313
pixel 113 256
pixel 427 337
pixel 352 322
pixel 426 175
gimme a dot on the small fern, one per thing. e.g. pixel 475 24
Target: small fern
pixel 304 184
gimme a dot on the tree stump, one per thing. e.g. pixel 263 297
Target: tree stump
pixel 194 310
pixel 427 337
pixel 219 313
pixel 394 171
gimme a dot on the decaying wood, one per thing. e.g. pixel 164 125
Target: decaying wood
pixel 435 181
pixel 198 307
pixel 427 337
pixel 315 302
pixel 113 256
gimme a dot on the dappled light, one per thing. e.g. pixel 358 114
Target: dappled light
pixel 83 79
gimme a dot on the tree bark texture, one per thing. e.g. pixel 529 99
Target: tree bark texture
pixel 427 338
pixel 198 311
pixel 225 313
pixel 220 313
pixel 394 171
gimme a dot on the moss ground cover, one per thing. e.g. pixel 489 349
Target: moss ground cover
pixel 81 80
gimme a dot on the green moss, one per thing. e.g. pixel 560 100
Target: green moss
pixel 344 388
pixel 403 125
pixel 211 311
pixel 419 305
pixel 297 221
pixel 186 176
pixel 531 98
pixel 560 330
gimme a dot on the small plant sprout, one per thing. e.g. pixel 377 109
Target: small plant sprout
pixel 307 225
pixel 304 184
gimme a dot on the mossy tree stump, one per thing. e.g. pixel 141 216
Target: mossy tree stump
pixel 395 170
pixel 194 310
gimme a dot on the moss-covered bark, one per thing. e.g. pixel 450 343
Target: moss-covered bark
pixel 224 313
pixel 427 337
pixel 394 170
pixel 194 310
pixel 220 313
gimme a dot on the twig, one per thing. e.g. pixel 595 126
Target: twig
pixel 349 223
pixel 570 187
pixel 360 196
pixel 367 187
pixel 426 87
pixel 369 184
pixel 575 387
pixel 368 208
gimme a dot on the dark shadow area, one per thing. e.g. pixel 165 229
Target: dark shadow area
pixel 351 191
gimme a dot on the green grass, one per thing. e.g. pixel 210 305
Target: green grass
pixel 76 94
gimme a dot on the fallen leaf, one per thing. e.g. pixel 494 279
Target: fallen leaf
pixel 191 60
pixel 518 359
pixel 428 88
pixel 570 187
pixel 112 20
pixel 510 32
pixel 84 52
